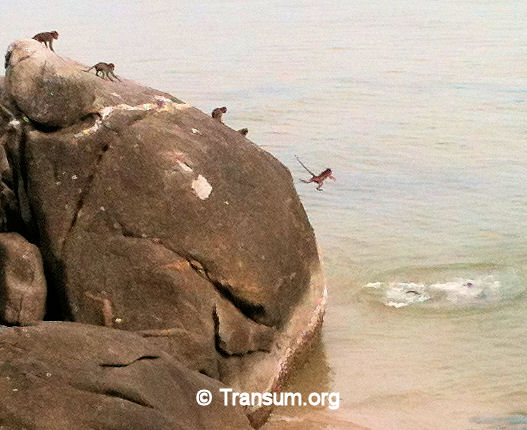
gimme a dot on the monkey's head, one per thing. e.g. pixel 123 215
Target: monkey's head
pixel 223 109
pixel 55 34
pixel 111 66
pixel 327 174
pixel 244 131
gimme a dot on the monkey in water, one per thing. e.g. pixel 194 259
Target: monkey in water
pixel 218 112
pixel 244 131
pixel 106 69
pixel 47 37
pixel 319 179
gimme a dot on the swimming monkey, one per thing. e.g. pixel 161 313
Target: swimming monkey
pixel 106 69
pixel 319 179
pixel 47 38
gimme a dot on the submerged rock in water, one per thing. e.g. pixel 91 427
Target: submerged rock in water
pixel 195 240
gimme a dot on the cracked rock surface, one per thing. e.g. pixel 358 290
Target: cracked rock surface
pixel 154 218
pixel 74 376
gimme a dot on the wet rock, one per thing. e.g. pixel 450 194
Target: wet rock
pixel 22 281
pixel 73 376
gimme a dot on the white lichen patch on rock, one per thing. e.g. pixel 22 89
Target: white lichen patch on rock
pixel 163 99
pixel 163 104
pixel 201 187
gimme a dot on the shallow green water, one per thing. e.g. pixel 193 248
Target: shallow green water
pixel 420 111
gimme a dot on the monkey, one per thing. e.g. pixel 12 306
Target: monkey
pixel 319 179
pixel 244 131
pixel 106 69
pixel 218 112
pixel 47 37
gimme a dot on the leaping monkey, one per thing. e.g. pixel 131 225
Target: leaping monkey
pixel 319 179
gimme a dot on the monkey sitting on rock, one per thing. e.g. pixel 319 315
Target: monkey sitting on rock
pixel 106 69
pixel 218 112
pixel 47 37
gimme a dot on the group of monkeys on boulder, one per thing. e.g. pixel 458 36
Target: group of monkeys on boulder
pixel 218 113
pixel 106 70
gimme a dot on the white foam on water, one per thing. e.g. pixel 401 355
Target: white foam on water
pixel 480 289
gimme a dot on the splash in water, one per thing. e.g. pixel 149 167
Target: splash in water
pixel 478 289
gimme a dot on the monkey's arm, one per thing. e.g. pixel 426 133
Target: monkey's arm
pixel 304 166
pixel 115 76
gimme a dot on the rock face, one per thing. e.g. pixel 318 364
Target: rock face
pixel 73 376
pixel 153 217
pixel 22 281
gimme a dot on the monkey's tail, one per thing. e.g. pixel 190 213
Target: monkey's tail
pixel 304 166
pixel 89 69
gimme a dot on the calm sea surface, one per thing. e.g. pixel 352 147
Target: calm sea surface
pixel 419 109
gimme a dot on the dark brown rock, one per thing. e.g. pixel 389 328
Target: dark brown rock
pixel 22 282
pixel 152 217
pixel 58 376
pixel 236 335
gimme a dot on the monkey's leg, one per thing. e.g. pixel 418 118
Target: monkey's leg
pixel 319 188
pixel 108 75
pixel 51 45
pixel 306 182
pixel 115 76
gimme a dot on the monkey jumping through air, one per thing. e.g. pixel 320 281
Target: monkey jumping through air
pixel 105 69
pixel 47 37
pixel 319 179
